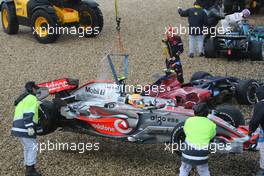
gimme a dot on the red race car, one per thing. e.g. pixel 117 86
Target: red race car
pixel 203 87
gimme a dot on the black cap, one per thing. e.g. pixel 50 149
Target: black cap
pixel 260 93
pixel 201 109
pixel 30 85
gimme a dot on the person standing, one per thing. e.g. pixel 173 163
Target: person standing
pixel 197 19
pixel 24 124
pixel 172 49
pixel 199 131
pixel 257 121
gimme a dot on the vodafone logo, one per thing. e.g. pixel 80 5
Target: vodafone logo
pixel 102 127
pixel 122 126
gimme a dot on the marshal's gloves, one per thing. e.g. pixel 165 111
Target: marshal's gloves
pixel 31 131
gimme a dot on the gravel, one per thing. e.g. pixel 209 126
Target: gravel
pixel 143 23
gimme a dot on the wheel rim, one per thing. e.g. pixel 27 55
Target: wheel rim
pixel 251 93
pixel 5 18
pixel 86 19
pixel 41 26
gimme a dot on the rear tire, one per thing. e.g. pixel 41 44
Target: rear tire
pixel 41 25
pixel 9 18
pixel 91 20
pixel 245 92
pixel 231 115
pixel 210 50
pixel 200 75
pixel 256 50
pixel 49 118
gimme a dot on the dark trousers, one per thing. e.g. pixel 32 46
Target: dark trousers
pixel 175 64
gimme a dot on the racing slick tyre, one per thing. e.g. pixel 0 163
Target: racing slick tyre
pixel 49 118
pixel 210 50
pixel 44 26
pixel 231 115
pixel 200 75
pixel 245 91
pixel 256 50
pixel 178 137
pixel 9 18
pixel 91 20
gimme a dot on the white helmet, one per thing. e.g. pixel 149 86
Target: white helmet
pixel 246 13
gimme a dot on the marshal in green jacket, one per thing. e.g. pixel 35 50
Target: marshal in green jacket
pixel 199 131
pixel 26 116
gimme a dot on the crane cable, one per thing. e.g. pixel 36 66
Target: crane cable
pixel 118 43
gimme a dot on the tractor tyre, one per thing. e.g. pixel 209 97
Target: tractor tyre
pixel 44 26
pixel 91 20
pixel 9 18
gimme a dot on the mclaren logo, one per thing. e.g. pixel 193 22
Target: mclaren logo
pixel 122 126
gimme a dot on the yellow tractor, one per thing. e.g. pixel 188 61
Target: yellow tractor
pixel 49 19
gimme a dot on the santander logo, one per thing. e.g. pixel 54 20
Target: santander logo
pixel 55 85
pixel 122 126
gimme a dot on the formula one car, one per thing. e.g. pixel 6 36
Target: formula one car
pixel 240 43
pixel 48 19
pixel 98 108
pixel 203 87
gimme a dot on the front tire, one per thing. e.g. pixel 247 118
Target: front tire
pixel 44 26
pixel 9 18
pixel 245 91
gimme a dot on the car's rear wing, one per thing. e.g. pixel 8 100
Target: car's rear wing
pixel 60 85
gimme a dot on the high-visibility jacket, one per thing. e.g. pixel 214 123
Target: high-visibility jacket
pixel 26 116
pixel 199 131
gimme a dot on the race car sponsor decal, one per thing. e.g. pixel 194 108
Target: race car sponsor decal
pixel 96 91
pixel 103 127
pixel 108 125
pixel 161 119
pixel 57 85
pixel 122 126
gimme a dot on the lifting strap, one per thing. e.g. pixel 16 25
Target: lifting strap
pixel 118 48
pixel 118 42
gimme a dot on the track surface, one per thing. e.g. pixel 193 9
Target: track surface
pixel 23 59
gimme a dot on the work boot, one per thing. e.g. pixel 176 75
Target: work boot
pixel 201 55
pixel 191 55
pixel 260 172
pixel 31 171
